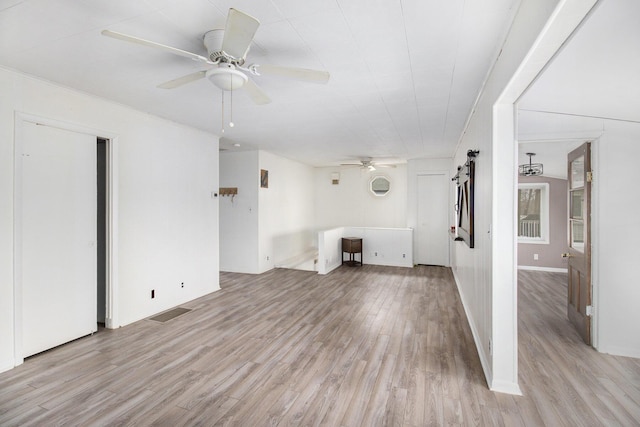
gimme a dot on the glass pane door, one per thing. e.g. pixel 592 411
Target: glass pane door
pixel 576 204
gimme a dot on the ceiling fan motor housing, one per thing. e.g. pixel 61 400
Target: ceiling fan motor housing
pixel 213 42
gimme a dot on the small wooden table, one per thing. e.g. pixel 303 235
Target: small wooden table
pixel 353 246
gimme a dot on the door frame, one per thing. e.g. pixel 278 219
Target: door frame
pixel 595 253
pixel 111 319
pixel 501 367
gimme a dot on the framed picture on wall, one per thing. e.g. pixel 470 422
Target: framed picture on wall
pixel 264 178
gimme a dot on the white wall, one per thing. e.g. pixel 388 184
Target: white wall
pixel 167 220
pixel 549 253
pixel 261 227
pixel 485 275
pixel 330 249
pixel 615 237
pixel 384 246
pixel 350 203
pixel 239 215
pixel 286 225
pixel 380 246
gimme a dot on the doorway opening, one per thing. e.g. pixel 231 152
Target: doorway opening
pixel 101 232
pixel 565 19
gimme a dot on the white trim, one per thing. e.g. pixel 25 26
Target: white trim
pixel 370 185
pixel 595 253
pixel 620 351
pixel 112 220
pixel 17 241
pixel 532 241
pixel 564 20
pixel 544 212
pixel 506 387
pixel 484 361
pixel 494 385
pixel 111 311
pixel 536 268
pixel 504 280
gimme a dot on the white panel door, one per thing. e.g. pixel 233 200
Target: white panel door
pixel 58 236
pixel 432 233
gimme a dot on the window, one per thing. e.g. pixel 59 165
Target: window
pixel 380 185
pixel 533 213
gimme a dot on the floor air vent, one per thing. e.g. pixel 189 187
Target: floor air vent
pixel 171 314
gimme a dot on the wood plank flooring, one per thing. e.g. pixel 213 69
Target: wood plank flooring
pixel 567 382
pixel 367 346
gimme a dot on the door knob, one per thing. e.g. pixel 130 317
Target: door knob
pixel 566 255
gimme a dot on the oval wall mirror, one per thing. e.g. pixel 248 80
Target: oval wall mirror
pixel 380 186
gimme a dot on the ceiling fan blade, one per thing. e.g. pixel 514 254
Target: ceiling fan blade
pixel 256 94
pixel 383 165
pixel 137 40
pixel 313 76
pixel 172 84
pixel 238 33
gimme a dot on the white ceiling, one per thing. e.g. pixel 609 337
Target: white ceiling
pixel 593 79
pixel 404 73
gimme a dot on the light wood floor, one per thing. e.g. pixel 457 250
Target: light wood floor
pixel 362 346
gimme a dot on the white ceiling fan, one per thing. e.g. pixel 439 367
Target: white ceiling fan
pixel 226 54
pixel 369 163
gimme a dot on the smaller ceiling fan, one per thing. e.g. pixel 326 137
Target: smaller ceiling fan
pixel 369 163
pixel 226 54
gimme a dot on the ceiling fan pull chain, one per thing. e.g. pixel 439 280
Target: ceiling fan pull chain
pixel 231 106
pixel 222 119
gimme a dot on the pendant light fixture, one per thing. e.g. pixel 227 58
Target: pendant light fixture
pixel 530 169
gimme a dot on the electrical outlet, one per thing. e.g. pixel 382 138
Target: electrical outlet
pixel 490 348
pixel 535 257
pixel 153 293
pixel 375 253
pixel 267 257
pixel 182 284
pixel 404 255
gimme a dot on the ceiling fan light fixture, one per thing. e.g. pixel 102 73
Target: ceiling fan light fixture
pixel 226 77
pixel 226 53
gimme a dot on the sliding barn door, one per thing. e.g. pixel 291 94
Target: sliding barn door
pixel 58 236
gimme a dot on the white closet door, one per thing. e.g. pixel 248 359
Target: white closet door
pixel 432 233
pixel 58 236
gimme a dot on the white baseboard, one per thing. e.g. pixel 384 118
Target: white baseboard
pixel 486 365
pixel 620 351
pixel 536 268
pixel 506 387
pixel 494 385
pixel 8 366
